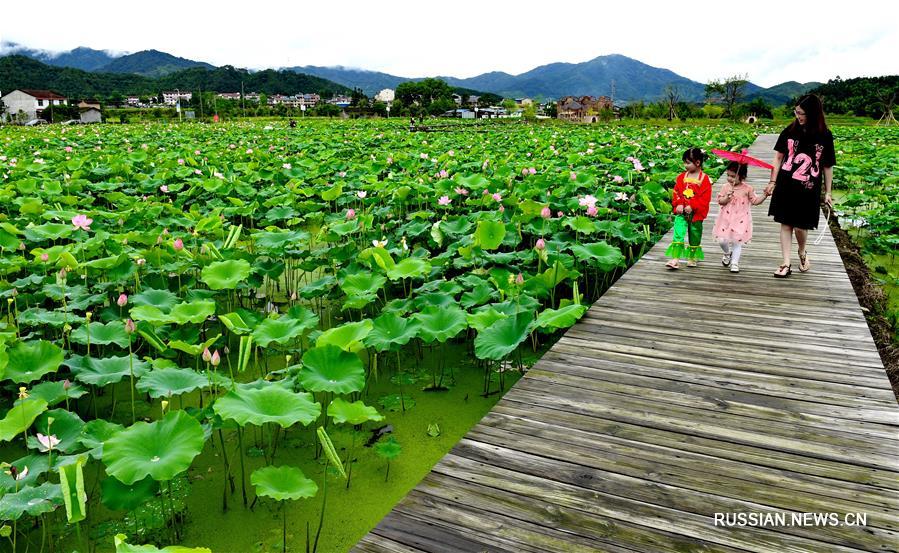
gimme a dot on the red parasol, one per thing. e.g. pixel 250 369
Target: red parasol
pixel 742 158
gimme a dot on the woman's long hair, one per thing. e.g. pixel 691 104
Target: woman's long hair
pixel 814 116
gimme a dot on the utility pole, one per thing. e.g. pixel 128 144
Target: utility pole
pixel 243 105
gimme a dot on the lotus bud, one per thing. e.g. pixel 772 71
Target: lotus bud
pixel 165 405
pixel 66 328
pixel 88 315
pixel 541 244
pixel 207 357
pixel 287 359
pixel 141 261
pixel 21 246
pixel 519 280
pixel 226 350
pixel 45 257
pixel 23 392
pixel 546 213
pixel 122 301
pixel 130 327
pixel 178 244
pixel 66 384
pixel 215 359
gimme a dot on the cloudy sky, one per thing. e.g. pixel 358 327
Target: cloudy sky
pixel 771 41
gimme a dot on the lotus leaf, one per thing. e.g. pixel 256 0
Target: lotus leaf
pixel 390 330
pixel 160 299
pixel 101 334
pixel 440 323
pixel 489 234
pixel 95 433
pixel 170 382
pixel 269 404
pixel 395 402
pixel 108 370
pixel 501 338
pixel 330 369
pixel 484 318
pixel 29 361
pixel 599 254
pixel 241 322
pixel 66 426
pixel 32 501
pixel 192 312
pixel 55 392
pixel 318 288
pixel 71 484
pixel 123 497
pixel 225 275
pixel 193 349
pixel 37 465
pixel 279 331
pixel 353 413
pixel 348 336
pixel 160 449
pixel 20 417
pixel 388 449
pixel 411 267
pixel 361 288
pixel 560 318
pixel 121 546
pixel 282 483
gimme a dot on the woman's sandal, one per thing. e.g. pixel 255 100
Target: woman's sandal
pixel 783 271
pixel 672 265
pixel 804 264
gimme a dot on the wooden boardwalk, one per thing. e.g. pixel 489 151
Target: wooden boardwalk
pixel 680 395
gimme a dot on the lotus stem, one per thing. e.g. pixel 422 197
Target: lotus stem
pixel 243 478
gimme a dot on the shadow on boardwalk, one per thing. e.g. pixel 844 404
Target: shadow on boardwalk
pixel 678 399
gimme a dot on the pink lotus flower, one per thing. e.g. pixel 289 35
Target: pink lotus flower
pixel 618 179
pixel 541 244
pixel 443 174
pixel 573 175
pixel 196 152
pixel 164 189
pixel 178 244
pixel 82 222
pixel 45 257
pixel 637 165
pixel 140 261
pixel 286 166
pixel 524 171
pixel 180 161
pixel 497 196
pixel 350 214
pixel 362 194
pixel 47 443
pixel 68 148
pixel 559 214
pixel 451 153
pixel 122 301
pixel 546 213
pixel 444 200
pixel 461 191
pixel 249 150
pixel 216 358
pixel 389 160
pixel 130 327
pixel 342 174
pixel 207 355
pixel 197 172
pixel 532 170
pixel 592 211
pixel 519 280
pixel 502 209
pixel 587 200
pixel 423 156
pixel 66 384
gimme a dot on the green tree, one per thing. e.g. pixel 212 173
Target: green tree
pixel 728 91
pixel 509 105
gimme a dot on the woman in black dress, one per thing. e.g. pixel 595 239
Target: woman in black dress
pixel 803 162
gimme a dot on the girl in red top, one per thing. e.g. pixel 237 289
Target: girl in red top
pixel 690 201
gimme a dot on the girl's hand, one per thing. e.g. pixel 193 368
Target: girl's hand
pixel 769 189
pixel 688 210
pixel 679 209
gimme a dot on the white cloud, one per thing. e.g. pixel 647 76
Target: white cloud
pixel 772 41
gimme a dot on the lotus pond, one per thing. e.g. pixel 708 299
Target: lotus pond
pixel 246 337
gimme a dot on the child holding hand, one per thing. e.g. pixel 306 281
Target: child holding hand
pixel 733 228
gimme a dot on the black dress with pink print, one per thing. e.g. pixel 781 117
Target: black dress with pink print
pixel 797 197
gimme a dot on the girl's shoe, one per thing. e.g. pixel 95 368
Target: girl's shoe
pixel 725 260
pixel 735 268
pixel 804 263
pixel 672 265
pixel 691 263
pixel 783 271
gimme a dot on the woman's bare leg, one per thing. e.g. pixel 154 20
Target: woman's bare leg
pixel 786 241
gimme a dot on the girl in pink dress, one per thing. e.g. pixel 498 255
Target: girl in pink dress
pixel 733 228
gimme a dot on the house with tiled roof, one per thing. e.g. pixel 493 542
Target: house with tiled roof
pixel 26 104
pixel 585 109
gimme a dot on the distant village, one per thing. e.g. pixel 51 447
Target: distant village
pixel 34 107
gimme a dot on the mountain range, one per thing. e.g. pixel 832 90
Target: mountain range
pixel 623 78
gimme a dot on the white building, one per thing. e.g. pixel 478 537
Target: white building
pixel 388 95
pixel 29 104
pixel 171 98
pixel 91 115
